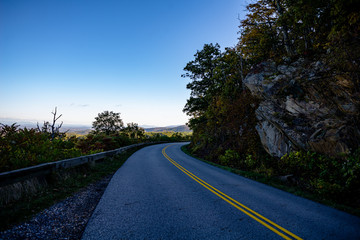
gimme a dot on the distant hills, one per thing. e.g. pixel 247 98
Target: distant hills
pixel 83 129
pixel 181 128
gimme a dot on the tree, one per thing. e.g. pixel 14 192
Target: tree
pixel 201 71
pixel 343 43
pixel 218 102
pixel 51 129
pixel 108 122
pixel 259 34
pixel 133 131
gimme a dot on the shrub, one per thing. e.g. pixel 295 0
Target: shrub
pixel 351 171
pixel 250 161
pixel 21 148
pixel 229 158
pixel 323 175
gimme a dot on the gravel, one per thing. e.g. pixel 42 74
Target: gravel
pixel 64 220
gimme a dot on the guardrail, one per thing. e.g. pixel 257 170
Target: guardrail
pixel 20 175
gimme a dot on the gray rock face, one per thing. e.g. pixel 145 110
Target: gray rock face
pixel 304 106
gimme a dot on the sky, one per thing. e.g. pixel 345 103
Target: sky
pixel 88 56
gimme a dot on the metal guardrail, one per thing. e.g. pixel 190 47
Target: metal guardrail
pixel 19 175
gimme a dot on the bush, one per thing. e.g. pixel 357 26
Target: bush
pixel 332 178
pixel 250 162
pixel 21 148
pixel 351 171
pixel 323 175
pixel 229 158
pixel 98 142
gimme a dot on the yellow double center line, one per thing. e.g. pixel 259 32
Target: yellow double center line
pixel 251 213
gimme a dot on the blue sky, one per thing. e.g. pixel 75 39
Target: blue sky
pixel 87 56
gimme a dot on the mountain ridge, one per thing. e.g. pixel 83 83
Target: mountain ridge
pixel 180 128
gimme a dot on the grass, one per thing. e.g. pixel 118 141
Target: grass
pixel 277 183
pixel 59 187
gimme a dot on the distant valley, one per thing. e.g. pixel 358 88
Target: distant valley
pixel 181 128
pixel 74 129
pixel 82 130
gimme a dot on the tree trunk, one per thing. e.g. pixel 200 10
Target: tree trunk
pixel 287 43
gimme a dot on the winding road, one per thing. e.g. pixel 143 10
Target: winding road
pixel 162 193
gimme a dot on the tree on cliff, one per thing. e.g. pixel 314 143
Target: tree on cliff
pixel 259 34
pixel 218 106
pixel 278 28
pixel 108 122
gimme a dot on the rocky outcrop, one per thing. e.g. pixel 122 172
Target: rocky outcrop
pixel 304 106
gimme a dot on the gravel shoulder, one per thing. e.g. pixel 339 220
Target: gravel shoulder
pixel 66 219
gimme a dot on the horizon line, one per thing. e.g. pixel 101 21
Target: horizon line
pixel 34 122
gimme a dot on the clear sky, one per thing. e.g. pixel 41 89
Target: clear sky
pixel 87 56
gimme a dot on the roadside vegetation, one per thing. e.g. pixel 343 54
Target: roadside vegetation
pixel 315 176
pixel 59 186
pixel 23 147
pixel 222 110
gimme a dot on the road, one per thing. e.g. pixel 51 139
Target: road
pixel 162 193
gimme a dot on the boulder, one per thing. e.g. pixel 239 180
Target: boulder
pixel 304 106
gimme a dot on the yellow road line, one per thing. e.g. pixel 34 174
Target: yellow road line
pixel 251 213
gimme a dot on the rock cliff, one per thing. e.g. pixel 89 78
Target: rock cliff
pixel 305 106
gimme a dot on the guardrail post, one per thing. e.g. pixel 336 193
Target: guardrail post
pixel 91 161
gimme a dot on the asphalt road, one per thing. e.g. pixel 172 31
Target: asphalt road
pixel 161 193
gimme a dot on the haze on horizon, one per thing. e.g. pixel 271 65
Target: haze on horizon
pixel 86 57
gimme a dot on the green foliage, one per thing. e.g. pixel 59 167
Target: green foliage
pixel 250 161
pixel 222 112
pixel 259 33
pixel 343 45
pixel 27 147
pixel 108 122
pixel 307 28
pixel 201 72
pixel 99 142
pixel 329 177
pixel 350 171
pixel 168 136
pixel 133 131
pixel 228 157
pixel 21 148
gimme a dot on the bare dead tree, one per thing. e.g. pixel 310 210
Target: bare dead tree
pixel 52 129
